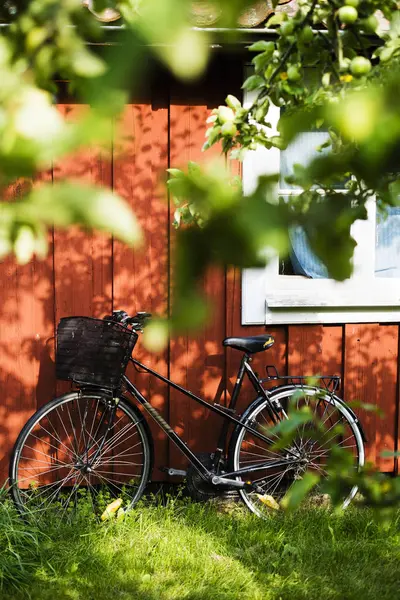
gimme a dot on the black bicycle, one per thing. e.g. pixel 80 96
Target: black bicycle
pixel 95 444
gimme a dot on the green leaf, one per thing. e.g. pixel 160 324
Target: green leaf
pixel 290 425
pixel 24 245
pixel 175 172
pixel 214 135
pixel 87 64
pixel 262 46
pixel 253 82
pixel 64 204
pixel 261 61
pixel 277 19
pixel 299 490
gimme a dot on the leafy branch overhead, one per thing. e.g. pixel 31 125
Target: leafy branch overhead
pixel 332 67
pixel 42 41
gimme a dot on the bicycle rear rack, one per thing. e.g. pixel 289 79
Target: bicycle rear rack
pixel 330 382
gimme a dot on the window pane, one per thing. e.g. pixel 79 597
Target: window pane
pixel 303 259
pixel 387 243
pixel 301 151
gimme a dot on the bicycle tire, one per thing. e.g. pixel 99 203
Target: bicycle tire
pixel 243 450
pixel 54 467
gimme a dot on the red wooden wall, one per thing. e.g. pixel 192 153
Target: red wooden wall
pixel 89 274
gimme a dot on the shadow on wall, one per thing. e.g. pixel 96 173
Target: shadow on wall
pixel 90 274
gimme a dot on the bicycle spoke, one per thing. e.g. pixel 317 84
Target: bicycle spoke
pixel 54 494
pixel 113 482
pixel 83 423
pixel 39 451
pixel 73 430
pixel 114 440
pixel 66 432
pixel 56 439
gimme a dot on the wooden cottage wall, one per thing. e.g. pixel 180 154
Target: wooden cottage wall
pixel 90 274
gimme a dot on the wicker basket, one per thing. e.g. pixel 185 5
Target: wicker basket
pixel 93 351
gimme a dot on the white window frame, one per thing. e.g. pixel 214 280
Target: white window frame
pixel 271 298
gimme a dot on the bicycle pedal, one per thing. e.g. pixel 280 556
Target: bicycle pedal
pixel 173 472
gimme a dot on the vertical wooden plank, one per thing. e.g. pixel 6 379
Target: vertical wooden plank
pixel 315 349
pixel 26 342
pixel 83 265
pixel 141 276
pixel 371 370
pixel 197 360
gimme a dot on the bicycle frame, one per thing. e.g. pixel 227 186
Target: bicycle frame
pixel 225 412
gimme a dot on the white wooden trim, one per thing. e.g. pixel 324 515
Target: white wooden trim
pixel 295 298
pixel 253 296
pixel 286 317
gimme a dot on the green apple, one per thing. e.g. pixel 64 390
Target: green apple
pixel 360 66
pixel 287 28
pixel 347 15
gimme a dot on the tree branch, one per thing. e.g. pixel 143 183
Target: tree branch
pixel 286 55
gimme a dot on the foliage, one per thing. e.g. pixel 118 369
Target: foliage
pixel 375 489
pixel 171 548
pixel 45 40
pixel 19 546
pixel 330 72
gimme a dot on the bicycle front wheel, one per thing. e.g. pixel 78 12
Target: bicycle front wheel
pixel 80 451
pixel 309 450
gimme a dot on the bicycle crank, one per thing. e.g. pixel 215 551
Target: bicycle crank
pixel 249 486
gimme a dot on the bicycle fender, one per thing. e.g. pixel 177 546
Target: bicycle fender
pixel 356 419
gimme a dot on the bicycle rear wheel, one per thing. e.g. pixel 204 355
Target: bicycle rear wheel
pixel 79 452
pixel 308 451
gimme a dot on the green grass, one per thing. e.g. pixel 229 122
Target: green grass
pixel 195 552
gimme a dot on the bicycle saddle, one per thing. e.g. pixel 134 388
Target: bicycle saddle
pixel 251 344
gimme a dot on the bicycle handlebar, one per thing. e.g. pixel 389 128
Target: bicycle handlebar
pixel 137 322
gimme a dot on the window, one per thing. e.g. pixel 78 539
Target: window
pixel 298 290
